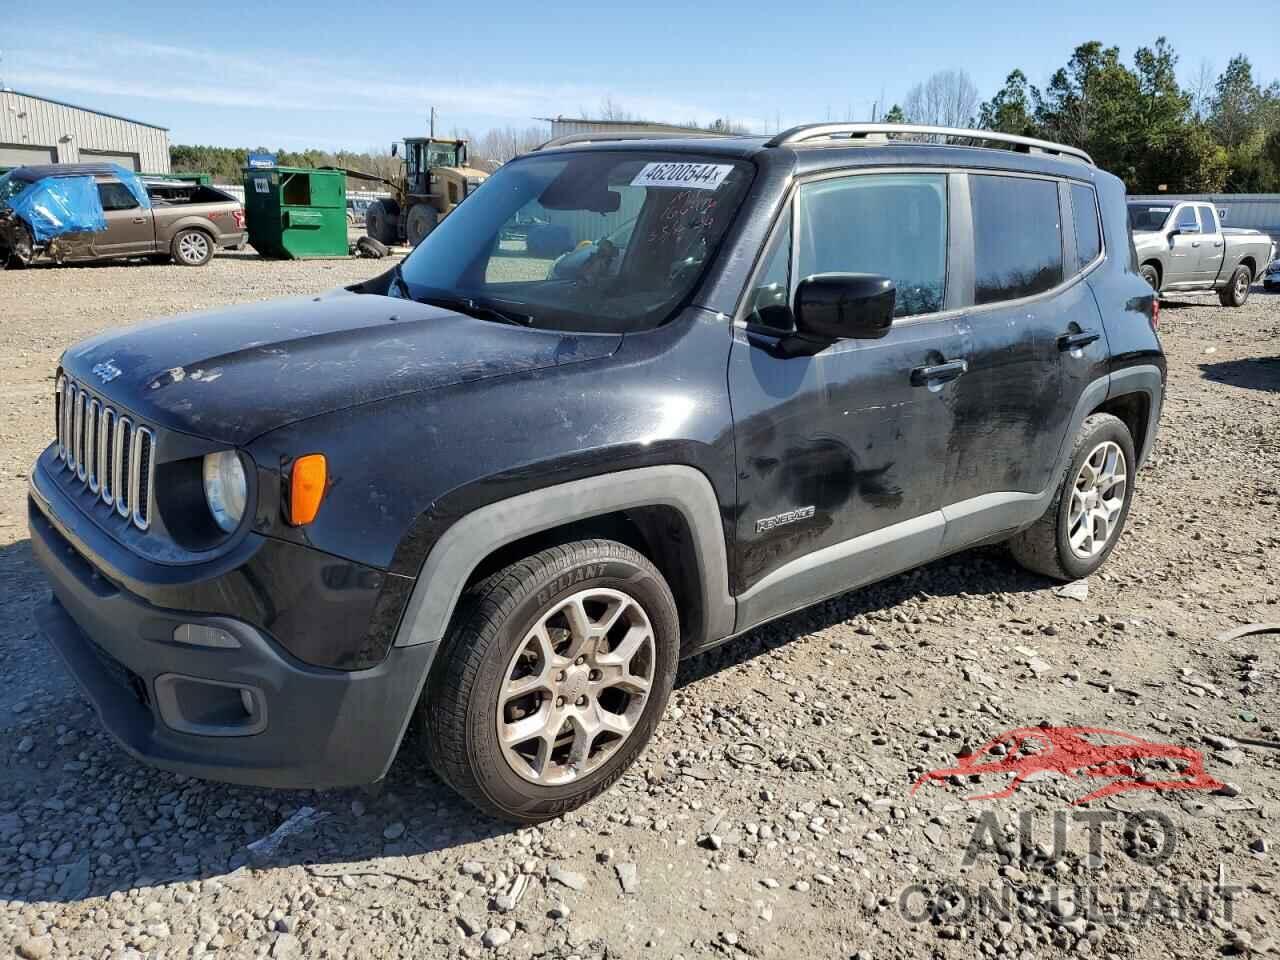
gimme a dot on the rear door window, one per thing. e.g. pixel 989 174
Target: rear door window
pixel 894 225
pixel 1017 237
pixel 1208 223
pixel 1084 209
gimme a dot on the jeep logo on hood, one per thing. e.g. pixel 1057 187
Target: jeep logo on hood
pixel 106 371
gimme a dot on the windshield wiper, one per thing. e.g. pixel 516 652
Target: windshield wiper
pixel 481 311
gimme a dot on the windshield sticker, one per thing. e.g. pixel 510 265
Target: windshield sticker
pixel 684 176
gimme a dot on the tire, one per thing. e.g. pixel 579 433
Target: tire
pixel 371 248
pixel 191 247
pixel 491 642
pixel 1152 276
pixel 22 251
pixel 382 222
pixel 1046 546
pixel 421 221
pixel 1236 293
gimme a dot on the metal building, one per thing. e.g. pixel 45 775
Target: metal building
pixel 1251 211
pixel 39 130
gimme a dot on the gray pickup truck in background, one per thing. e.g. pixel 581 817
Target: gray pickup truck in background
pixel 1183 247
pixel 186 222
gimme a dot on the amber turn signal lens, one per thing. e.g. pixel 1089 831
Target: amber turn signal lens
pixel 306 488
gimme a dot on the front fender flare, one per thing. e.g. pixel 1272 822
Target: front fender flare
pixel 462 548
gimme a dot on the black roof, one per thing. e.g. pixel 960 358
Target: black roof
pixel 39 171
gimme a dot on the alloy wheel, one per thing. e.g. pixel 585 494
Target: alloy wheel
pixel 1097 500
pixel 576 687
pixel 193 247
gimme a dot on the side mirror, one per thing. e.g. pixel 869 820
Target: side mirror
pixel 845 306
pixel 395 149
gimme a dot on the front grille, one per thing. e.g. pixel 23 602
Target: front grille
pixel 106 452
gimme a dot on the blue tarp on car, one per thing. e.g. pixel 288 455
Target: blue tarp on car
pixel 57 205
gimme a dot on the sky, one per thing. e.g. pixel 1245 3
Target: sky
pixel 336 74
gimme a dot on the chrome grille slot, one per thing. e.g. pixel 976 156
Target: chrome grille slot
pixel 144 441
pixel 124 451
pixel 77 441
pixel 107 453
pixel 59 392
pixel 92 427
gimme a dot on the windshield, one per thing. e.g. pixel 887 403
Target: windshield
pixel 11 186
pixel 504 247
pixel 442 155
pixel 1148 216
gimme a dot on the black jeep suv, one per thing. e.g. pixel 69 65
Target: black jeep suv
pixel 505 486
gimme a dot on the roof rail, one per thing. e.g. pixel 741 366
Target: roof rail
pixel 808 132
pixel 604 136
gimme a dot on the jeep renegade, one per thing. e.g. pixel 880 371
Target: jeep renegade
pixel 633 398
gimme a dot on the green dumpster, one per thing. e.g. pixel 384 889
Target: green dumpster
pixel 292 212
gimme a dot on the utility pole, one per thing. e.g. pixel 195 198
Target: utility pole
pixel 432 133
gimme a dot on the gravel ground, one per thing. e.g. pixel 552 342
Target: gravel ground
pixel 773 814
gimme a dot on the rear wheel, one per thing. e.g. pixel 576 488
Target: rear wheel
pixel 1082 525
pixel 422 220
pixel 191 248
pixel 382 222
pixel 552 678
pixel 1236 293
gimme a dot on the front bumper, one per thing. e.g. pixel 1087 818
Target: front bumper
pixel 173 705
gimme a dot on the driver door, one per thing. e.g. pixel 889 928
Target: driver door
pixel 1184 248
pixel 842 455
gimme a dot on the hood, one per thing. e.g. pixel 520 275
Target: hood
pixel 1150 238
pixel 233 374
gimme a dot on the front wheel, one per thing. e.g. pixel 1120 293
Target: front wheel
pixel 421 221
pixel 552 679
pixel 1152 276
pixel 1236 293
pixel 1082 525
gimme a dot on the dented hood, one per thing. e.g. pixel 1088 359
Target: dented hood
pixel 236 373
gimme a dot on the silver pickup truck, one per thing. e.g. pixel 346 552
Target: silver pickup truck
pixel 1182 246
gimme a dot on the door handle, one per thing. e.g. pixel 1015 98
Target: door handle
pixel 1074 341
pixel 139 219
pixel 938 373
pixel 1195 243
pixel 1217 243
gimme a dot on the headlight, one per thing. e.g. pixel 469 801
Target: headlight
pixel 225 488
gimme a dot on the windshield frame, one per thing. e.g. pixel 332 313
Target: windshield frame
pixel 551 316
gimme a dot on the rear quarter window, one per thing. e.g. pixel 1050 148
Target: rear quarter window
pixel 1084 210
pixel 1017 237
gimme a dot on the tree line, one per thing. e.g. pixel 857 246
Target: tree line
pixel 1218 134
pixel 1136 120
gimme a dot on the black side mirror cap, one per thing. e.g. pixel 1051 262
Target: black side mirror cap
pixel 845 306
